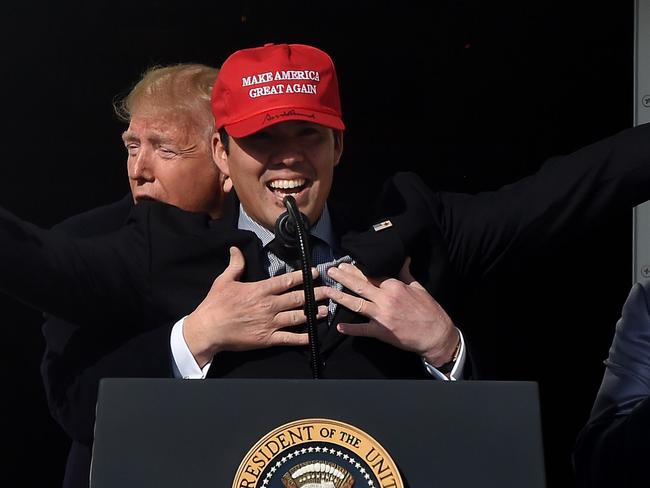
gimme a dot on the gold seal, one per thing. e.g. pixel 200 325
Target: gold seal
pixel 317 453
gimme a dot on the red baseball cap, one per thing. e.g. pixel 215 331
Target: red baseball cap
pixel 262 86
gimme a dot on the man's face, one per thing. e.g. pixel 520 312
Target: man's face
pixel 290 158
pixel 170 159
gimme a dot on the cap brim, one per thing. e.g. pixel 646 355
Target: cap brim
pixel 260 121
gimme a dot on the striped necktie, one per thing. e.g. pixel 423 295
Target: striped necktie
pixel 322 258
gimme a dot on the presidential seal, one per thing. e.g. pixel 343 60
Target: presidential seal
pixel 317 453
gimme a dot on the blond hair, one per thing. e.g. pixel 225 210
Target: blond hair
pixel 181 89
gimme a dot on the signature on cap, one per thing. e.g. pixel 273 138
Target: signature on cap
pixel 288 113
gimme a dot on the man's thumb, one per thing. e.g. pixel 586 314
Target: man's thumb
pixel 235 267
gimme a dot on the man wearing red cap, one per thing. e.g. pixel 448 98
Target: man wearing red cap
pixel 280 132
pixel 280 129
pixel 278 112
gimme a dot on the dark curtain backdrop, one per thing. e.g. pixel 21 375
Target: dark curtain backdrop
pixel 470 94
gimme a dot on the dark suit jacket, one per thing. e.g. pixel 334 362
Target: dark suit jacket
pixel 74 355
pixel 612 449
pixel 69 347
pixel 140 279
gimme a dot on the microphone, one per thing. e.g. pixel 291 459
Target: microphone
pixel 286 232
pixel 291 234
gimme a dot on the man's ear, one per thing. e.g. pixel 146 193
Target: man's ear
pixel 338 146
pixel 220 156
pixel 226 183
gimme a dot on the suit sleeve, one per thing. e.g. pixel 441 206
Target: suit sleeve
pixel 568 194
pixel 77 357
pixel 611 449
pixel 86 281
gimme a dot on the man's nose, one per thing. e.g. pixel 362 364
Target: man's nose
pixel 141 167
pixel 289 153
pixel 291 159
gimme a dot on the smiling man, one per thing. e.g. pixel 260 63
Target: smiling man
pixel 281 132
pixel 286 138
pixel 288 158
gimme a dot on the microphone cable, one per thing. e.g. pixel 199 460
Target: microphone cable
pixel 291 229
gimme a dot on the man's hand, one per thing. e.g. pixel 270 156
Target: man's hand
pixel 236 316
pixel 401 313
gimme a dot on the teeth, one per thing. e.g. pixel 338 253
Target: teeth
pixel 286 184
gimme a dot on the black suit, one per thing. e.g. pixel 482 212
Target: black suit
pixel 612 449
pixel 159 267
pixel 74 354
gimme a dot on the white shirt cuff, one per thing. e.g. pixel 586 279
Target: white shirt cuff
pixel 183 362
pixel 457 371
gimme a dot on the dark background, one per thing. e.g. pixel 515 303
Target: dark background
pixel 470 94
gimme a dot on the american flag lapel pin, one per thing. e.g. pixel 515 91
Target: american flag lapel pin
pixel 382 225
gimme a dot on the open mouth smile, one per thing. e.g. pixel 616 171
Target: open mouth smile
pixel 293 187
